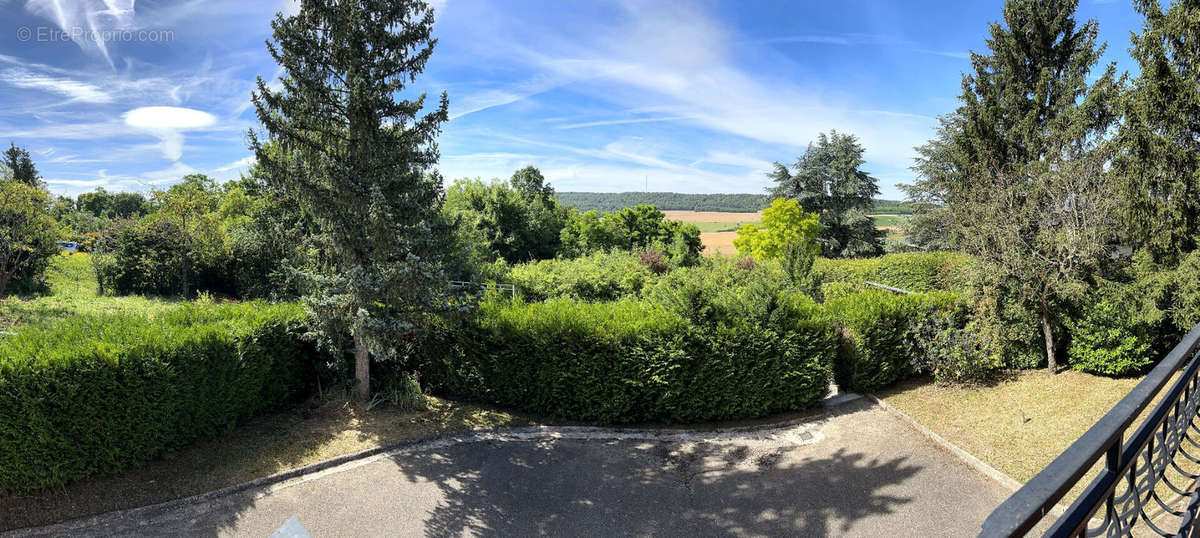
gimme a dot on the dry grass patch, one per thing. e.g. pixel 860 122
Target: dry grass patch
pixel 265 446
pixel 1018 425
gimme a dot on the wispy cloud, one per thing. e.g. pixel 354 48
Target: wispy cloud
pixel 87 21
pixel 618 122
pixel 73 89
pixel 962 55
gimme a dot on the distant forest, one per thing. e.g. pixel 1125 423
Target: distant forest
pixel 740 202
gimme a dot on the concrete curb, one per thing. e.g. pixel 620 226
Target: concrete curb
pixel 262 486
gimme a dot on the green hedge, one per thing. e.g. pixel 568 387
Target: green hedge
pixel 920 272
pixel 603 276
pixel 880 336
pixel 632 361
pixel 95 394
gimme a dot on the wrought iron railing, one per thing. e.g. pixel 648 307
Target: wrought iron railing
pixel 1147 481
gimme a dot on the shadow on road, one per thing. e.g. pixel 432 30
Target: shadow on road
pixel 626 488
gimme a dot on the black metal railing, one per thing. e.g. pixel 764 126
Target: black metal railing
pixel 1146 480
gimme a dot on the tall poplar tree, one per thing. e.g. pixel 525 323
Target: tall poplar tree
pixel 1159 163
pixel 357 158
pixel 828 180
pixel 1017 174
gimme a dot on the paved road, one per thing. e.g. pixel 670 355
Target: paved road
pixel 859 471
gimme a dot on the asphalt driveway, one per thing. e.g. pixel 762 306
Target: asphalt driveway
pixel 858 471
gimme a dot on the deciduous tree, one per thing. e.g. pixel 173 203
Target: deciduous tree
pixel 27 232
pixel 787 233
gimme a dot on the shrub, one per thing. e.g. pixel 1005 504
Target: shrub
pixel 946 344
pixel 832 291
pixel 919 272
pixel 654 261
pixel 716 293
pixel 631 361
pixel 603 276
pixel 1107 337
pixel 879 328
pixel 745 263
pixel 96 394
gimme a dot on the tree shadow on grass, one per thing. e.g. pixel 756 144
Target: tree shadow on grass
pixel 275 442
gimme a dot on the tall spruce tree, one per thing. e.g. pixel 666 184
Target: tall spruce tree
pixel 357 159
pixel 827 180
pixel 1017 174
pixel 1159 163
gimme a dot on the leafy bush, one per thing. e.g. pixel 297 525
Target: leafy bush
pixel 631 361
pixel 879 328
pixel 96 394
pixel 920 272
pixel 602 276
pixel 148 259
pixel 27 235
pixel 1107 337
pixel 947 345
pixel 717 292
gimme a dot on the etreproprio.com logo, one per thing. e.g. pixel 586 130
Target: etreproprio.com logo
pixel 45 34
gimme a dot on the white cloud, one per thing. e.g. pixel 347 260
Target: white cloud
pixel 173 173
pixel 735 159
pixel 618 122
pixel 75 90
pixel 168 117
pixel 239 164
pixel 168 123
pixel 79 182
pixel 289 7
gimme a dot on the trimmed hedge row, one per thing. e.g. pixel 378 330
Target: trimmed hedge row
pixel 632 361
pixel 95 394
pixel 917 271
pixel 880 340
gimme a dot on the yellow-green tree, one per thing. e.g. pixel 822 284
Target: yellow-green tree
pixel 787 233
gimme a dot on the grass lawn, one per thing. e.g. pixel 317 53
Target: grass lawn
pixel 73 291
pixel 321 430
pixel 1018 425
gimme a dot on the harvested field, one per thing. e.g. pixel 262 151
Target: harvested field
pixel 712 216
pixel 718 243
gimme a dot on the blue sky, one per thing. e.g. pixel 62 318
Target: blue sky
pixel 609 96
